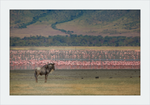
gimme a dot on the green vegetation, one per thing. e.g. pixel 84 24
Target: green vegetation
pixel 74 40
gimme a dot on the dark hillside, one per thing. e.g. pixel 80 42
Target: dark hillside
pixel 23 18
pixel 79 22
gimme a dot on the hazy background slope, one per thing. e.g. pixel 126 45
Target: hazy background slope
pixel 66 22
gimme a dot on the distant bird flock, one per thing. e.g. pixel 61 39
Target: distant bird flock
pixel 75 59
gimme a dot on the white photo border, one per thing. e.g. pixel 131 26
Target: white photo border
pixel 142 5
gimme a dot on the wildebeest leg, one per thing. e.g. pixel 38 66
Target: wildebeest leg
pixel 35 74
pixel 36 79
pixel 46 78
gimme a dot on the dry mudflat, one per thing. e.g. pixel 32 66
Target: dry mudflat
pixel 76 82
pixel 76 48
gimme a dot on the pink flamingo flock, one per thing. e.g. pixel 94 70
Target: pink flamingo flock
pixel 76 59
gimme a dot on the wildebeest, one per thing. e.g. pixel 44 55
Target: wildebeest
pixel 45 70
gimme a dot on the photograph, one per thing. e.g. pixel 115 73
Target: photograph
pixel 70 52
pixel 75 52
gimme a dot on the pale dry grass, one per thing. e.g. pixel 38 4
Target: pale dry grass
pixel 66 82
pixel 46 30
pixel 75 89
pixel 33 30
pixel 95 89
pixel 82 28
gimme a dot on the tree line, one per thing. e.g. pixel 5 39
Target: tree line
pixel 75 40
